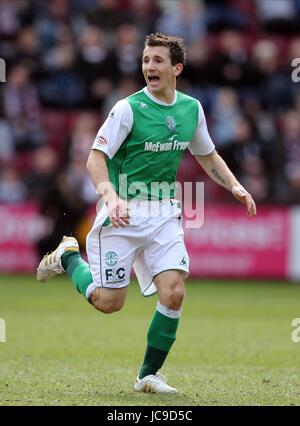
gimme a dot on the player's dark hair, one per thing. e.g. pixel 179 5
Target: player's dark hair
pixel 175 45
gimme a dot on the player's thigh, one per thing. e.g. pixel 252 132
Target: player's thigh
pixel 168 260
pixel 167 249
pixel 111 254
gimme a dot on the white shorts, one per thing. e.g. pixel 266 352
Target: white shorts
pixel 151 243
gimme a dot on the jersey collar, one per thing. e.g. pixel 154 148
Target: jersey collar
pixel 157 101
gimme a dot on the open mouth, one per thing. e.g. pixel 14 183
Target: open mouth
pixel 153 78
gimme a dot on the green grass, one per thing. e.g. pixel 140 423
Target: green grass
pixel 233 347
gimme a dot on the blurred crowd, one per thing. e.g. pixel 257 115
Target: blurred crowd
pixel 69 61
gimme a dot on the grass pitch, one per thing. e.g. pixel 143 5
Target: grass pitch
pixel 233 346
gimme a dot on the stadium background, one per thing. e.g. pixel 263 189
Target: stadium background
pixel 67 64
pixel 69 61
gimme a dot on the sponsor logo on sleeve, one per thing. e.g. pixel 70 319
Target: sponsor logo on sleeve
pixel 100 140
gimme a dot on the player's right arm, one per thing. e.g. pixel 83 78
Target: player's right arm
pixel 118 209
pixel 108 140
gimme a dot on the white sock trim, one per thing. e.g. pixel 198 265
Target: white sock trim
pixel 90 290
pixel 171 313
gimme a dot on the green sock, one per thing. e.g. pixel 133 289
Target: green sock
pixel 78 270
pixel 160 338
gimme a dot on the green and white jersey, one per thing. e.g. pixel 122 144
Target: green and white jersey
pixel 145 139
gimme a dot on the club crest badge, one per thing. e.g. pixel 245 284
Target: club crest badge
pixel 111 258
pixel 170 123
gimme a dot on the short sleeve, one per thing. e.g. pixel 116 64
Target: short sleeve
pixel 201 143
pixel 115 129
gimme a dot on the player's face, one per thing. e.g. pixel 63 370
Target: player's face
pixel 159 73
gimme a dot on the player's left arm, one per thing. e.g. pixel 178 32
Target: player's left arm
pixel 219 172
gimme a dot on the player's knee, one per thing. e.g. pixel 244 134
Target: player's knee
pixel 106 305
pixel 109 308
pixel 176 298
pixel 174 295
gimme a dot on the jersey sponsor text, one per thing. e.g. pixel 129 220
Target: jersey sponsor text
pixel 166 146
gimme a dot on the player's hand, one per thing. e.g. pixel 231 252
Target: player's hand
pixel 245 198
pixel 118 212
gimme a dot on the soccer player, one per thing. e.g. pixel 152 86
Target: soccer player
pixel 138 222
